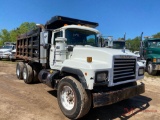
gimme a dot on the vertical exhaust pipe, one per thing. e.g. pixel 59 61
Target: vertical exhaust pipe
pixel 124 36
pixel 141 47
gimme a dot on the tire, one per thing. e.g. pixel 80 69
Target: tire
pixel 27 74
pixel 19 70
pixel 36 69
pixel 150 69
pixel 13 60
pixel 73 99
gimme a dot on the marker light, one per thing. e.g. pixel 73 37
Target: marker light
pixel 89 59
pixel 154 60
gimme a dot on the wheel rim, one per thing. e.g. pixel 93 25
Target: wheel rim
pixel 18 71
pixel 24 74
pixel 67 97
pixel 149 68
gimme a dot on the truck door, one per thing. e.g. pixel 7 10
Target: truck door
pixel 52 49
pixel 145 47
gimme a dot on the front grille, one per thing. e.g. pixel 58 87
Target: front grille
pixel 124 69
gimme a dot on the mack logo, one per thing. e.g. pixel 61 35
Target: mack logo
pixel 125 56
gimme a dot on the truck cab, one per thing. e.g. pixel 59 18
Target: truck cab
pixel 115 44
pixel 151 53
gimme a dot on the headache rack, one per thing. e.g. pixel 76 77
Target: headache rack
pixel 59 21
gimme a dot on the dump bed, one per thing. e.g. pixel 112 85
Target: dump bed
pixel 28 46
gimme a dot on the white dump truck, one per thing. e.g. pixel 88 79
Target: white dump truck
pixel 66 54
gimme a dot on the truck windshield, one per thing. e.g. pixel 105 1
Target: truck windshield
pixel 114 44
pixel 6 47
pixel 118 44
pixel 153 44
pixel 81 37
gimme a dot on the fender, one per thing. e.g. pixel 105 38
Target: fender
pixel 78 73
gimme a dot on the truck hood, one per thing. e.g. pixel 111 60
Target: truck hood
pixel 5 50
pixel 99 54
pixel 153 53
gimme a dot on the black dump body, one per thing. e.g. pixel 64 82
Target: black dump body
pixel 28 44
pixel 59 21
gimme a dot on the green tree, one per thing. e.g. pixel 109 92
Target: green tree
pixel 156 35
pixel 4 36
pixel 133 44
pixel 13 35
pixel 25 27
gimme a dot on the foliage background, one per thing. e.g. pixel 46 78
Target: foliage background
pixel 11 36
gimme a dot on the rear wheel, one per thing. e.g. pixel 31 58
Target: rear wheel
pixel 36 69
pixel 73 99
pixel 27 74
pixel 13 60
pixel 19 70
pixel 150 69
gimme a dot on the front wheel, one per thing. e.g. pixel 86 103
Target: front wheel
pixel 150 69
pixel 73 99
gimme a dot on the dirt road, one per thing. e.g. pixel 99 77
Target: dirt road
pixel 19 101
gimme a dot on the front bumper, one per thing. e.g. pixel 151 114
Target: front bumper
pixel 12 57
pixel 107 98
pixel 156 67
pixel 4 56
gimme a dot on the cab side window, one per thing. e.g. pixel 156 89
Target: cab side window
pixel 58 34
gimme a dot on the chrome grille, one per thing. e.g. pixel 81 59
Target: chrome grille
pixel 124 69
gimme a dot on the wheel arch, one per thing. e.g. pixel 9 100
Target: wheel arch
pixel 76 73
pixel 149 59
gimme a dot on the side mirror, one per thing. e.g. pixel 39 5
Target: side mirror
pixel 60 39
pixel 46 46
pixel 100 41
pixel 70 48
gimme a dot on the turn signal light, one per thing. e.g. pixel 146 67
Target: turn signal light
pixel 89 59
pixel 154 60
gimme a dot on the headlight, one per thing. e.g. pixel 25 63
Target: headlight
pixel 158 59
pixel 101 76
pixel 141 71
pixel 6 53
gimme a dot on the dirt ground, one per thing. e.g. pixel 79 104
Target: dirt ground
pixel 19 101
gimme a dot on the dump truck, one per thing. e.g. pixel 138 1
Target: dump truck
pixel 115 44
pixel 66 54
pixel 150 55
